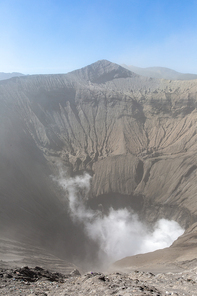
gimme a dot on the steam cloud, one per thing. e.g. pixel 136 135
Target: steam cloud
pixel 120 233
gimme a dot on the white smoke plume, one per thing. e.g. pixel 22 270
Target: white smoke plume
pixel 120 233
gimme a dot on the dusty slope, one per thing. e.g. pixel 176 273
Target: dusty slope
pixel 136 135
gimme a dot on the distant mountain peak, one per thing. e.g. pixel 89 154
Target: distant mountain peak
pixel 103 71
pixel 4 76
pixel 160 72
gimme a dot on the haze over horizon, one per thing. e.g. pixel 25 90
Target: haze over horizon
pixel 44 37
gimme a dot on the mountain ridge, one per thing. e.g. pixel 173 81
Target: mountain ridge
pixel 5 76
pixel 161 73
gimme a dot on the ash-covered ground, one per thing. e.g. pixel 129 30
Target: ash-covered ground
pixel 27 270
pixel 38 281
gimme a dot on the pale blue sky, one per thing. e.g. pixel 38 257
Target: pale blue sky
pixel 58 36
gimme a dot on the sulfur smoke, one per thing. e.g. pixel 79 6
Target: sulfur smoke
pixel 119 233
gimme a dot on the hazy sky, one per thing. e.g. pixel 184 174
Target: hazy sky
pixel 58 36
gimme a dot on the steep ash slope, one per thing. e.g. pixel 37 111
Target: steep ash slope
pixel 135 135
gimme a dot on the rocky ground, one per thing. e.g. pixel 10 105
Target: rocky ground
pixel 38 281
